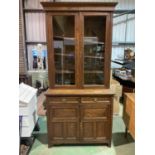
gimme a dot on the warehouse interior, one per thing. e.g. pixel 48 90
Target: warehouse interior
pixel 32 39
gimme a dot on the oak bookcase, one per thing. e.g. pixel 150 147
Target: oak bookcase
pixel 79 101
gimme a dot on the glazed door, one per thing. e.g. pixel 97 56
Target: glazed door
pixel 95 43
pixel 62 46
pixel 79 49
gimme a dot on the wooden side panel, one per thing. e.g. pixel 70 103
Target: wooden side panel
pixel 132 123
pixel 129 113
pixel 131 110
pixel 129 106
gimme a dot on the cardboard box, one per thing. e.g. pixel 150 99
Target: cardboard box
pixel 117 88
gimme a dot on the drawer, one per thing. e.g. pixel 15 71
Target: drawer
pixel 94 113
pixel 63 100
pixel 95 100
pixel 63 113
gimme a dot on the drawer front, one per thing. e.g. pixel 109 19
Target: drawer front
pixel 95 100
pixel 92 111
pixel 63 100
pixel 64 112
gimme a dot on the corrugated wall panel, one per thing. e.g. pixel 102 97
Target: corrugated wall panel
pixel 125 4
pixel 35 4
pixel 119 27
pixel 123 31
pixel 130 36
pixel 22 60
pixel 35 27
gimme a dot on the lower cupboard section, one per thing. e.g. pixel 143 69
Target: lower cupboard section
pixel 79 123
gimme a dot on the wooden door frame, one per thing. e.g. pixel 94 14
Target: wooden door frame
pixel 107 53
pixel 50 47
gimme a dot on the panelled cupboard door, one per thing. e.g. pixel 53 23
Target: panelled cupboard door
pixel 96 130
pixel 95 122
pixel 64 130
pixel 64 122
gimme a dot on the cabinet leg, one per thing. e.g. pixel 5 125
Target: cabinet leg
pixel 109 144
pixel 50 145
pixel 126 132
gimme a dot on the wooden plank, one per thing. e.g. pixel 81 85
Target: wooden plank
pixel 72 92
pixel 79 6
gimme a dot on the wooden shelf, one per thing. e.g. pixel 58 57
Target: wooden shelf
pixel 92 42
pixel 71 40
pixel 94 57
pixel 64 72
pixel 69 55
pixel 64 38
pixel 93 72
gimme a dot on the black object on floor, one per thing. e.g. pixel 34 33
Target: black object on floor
pixel 120 138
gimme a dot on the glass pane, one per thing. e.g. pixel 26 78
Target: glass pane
pixel 64 49
pixel 94 39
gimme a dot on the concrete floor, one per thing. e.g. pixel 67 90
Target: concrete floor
pixel 120 144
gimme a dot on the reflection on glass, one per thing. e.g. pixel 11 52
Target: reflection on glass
pixel 64 50
pixel 94 39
